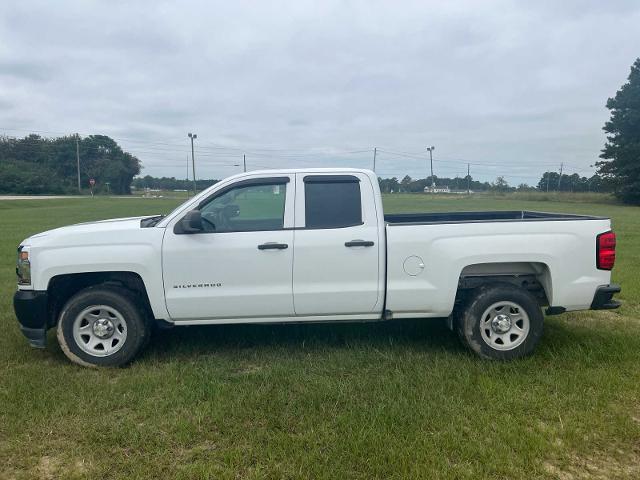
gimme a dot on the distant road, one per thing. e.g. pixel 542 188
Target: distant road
pixel 54 197
pixel 35 197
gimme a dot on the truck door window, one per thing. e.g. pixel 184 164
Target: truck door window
pixel 246 209
pixel 332 201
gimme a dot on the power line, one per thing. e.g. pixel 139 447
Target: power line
pixel 219 155
pixel 462 161
pixel 204 145
pixel 154 147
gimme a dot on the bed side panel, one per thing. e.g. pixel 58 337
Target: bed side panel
pixel 567 248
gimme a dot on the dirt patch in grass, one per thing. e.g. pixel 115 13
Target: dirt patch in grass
pixel 49 468
pixel 596 467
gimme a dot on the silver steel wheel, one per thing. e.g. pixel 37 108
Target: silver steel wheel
pixel 100 330
pixel 504 325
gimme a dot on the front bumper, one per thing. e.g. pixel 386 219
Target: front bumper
pixel 603 298
pixel 32 311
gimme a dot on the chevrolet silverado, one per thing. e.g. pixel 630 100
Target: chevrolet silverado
pixel 309 246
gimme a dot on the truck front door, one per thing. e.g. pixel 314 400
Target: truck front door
pixel 241 265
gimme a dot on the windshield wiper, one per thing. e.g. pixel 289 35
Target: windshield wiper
pixel 151 221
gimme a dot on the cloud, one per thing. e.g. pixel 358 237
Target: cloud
pixel 302 83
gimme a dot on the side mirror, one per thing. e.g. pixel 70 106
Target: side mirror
pixel 192 222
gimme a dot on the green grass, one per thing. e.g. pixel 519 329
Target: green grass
pixel 399 399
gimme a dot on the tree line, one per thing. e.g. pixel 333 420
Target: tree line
pixel 410 185
pixel 553 182
pixel 37 165
pixel 169 183
pixel 549 182
pixel 569 183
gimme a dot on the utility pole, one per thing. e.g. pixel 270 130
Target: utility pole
pixel 468 179
pixel 375 152
pixel 193 136
pixel 560 178
pixel 430 150
pixel 244 162
pixel 548 178
pixel 78 160
pixel 187 177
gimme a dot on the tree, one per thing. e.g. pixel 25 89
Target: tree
pixel 388 185
pixel 105 161
pixel 548 182
pixel 572 183
pixel 500 185
pixel 404 184
pixel 34 164
pixel 621 153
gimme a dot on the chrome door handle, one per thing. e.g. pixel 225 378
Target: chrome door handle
pixel 273 246
pixel 359 243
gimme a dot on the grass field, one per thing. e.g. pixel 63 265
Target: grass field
pixel 385 400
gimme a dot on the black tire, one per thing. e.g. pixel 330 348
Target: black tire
pixel 518 342
pixel 128 310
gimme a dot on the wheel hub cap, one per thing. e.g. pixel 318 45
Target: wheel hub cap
pixel 501 323
pixel 103 328
pixel 100 330
pixel 504 325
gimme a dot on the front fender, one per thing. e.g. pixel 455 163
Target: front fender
pixel 141 259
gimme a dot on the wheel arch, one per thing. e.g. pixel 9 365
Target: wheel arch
pixel 532 276
pixel 62 287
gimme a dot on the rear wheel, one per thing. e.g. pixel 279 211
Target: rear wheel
pixel 500 321
pixel 102 327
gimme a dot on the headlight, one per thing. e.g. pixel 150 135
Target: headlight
pixel 23 268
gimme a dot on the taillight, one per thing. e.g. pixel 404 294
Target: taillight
pixel 605 250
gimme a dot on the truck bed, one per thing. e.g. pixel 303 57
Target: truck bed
pixel 481 217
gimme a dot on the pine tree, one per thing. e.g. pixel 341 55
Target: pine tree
pixel 622 150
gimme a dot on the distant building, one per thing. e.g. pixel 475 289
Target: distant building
pixel 435 189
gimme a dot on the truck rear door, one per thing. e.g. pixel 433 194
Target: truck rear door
pixel 337 246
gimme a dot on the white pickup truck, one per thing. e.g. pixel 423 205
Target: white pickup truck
pixel 309 246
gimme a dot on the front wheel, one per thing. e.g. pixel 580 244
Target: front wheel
pixel 501 321
pixel 102 327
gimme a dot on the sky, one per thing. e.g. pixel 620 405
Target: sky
pixel 514 88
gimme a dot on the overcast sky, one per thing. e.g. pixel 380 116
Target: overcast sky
pixel 514 87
